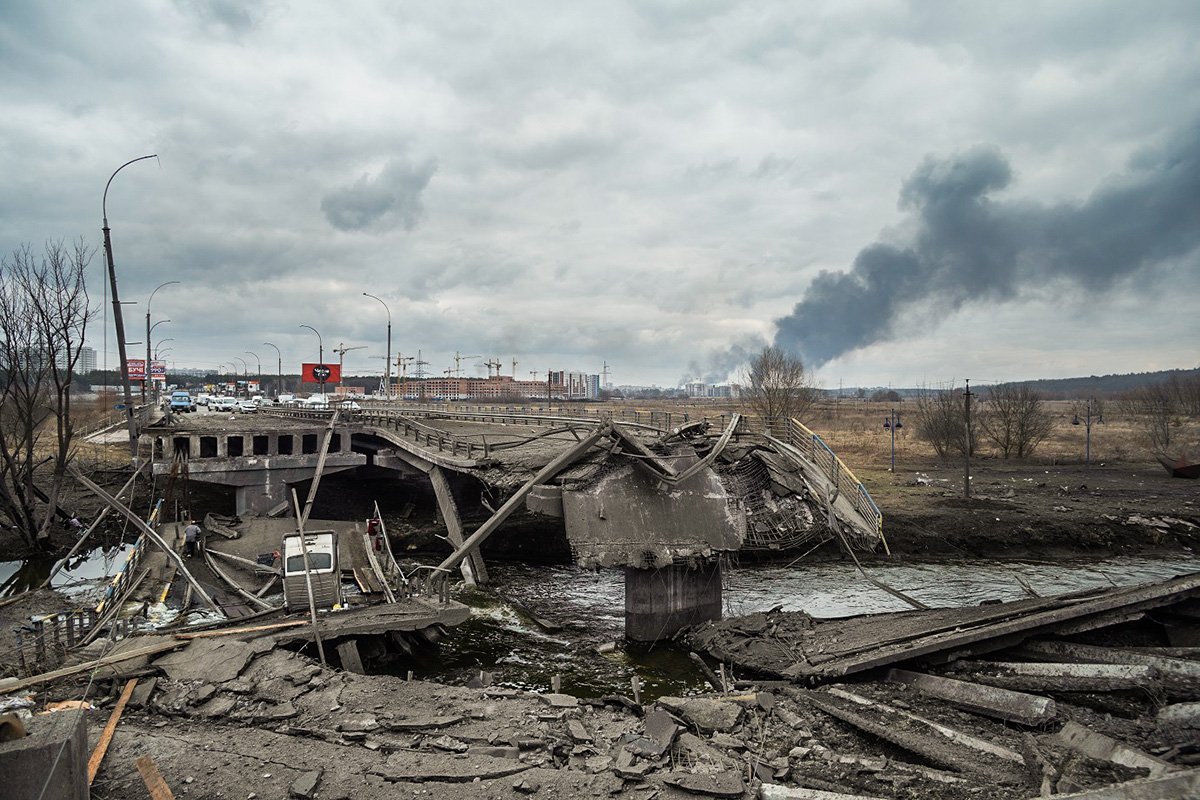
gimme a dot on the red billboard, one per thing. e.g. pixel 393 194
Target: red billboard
pixel 136 369
pixel 321 373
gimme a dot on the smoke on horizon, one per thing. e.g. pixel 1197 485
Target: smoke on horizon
pixel 965 246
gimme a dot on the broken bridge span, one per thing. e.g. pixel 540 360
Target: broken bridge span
pixel 664 503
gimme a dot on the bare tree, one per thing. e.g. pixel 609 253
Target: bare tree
pixel 1155 411
pixel 43 317
pixel 1016 420
pixel 941 421
pixel 776 386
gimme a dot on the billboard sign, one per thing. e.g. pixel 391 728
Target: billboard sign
pixel 158 368
pixel 136 369
pixel 321 373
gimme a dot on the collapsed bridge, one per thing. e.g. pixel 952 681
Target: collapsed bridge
pixel 664 502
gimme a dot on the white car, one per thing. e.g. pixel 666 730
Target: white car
pixel 223 403
pixel 248 406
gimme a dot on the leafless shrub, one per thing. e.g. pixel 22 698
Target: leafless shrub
pixel 1016 420
pixel 941 421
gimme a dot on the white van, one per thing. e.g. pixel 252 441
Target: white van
pixel 323 570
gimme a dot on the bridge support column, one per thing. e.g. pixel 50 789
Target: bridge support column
pixel 259 498
pixel 659 602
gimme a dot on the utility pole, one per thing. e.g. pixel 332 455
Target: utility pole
pixel 967 444
pixel 279 366
pixel 420 364
pixel 892 422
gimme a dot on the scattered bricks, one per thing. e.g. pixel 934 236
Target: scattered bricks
pixel 305 787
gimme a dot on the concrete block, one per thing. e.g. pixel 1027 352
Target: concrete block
pixel 1004 704
pixel 26 763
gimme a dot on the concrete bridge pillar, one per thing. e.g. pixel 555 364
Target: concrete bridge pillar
pixel 659 602
pixel 257 499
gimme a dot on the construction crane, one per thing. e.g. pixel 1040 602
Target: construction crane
pixel 514 369
pixel 341 350
pixel 491 364
pixel 458 359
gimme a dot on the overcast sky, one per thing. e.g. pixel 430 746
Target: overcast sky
pixel 902 193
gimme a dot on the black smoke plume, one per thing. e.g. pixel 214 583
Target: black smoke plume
pixel 966 247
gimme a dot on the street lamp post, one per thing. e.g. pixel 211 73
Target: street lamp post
pixel 279 365
pixel 320 351
pixel 159 345
pixel 1087 453
pixel 892 422
pixel 259 360
pixel 148 330
pixel 387 363
pixel 118 322
pixel 246 373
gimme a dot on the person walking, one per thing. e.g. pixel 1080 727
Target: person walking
pixel 191 539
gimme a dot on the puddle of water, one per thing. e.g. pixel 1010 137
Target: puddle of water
pixel 82 577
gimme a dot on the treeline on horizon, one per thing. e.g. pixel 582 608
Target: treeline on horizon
pixel 1095 386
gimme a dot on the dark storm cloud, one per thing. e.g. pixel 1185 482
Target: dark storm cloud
pixel 966 246
pixel 391 198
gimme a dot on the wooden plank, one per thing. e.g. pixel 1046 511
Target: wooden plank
pixel 991 636
pixel 153 779
pixel 1178 784
pixel 235 631
pixel 351 661
pixel 1005 704
pixel 109 729
pixel 1104 748
pixel 13 684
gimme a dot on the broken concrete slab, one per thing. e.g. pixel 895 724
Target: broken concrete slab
pixel 1061 677
pixel 728 783
pixel 772 791
pixel 706 714
pixel 214 660
pixel 1180 784
pixel 1105 748
pixel 305 787
pixel 50 761
pixel 661 728
pixel 559 700
pixel 424 767
pixel 423 723
pixel 1005 704
pixel 1185 714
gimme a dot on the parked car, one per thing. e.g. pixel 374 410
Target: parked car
pixel 182 402
pixel 248 405
pixel 223 403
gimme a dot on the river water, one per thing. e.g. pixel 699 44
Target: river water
pixel 584 610
pixel 590 606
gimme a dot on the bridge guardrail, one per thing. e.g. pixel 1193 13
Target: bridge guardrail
pixel 846 482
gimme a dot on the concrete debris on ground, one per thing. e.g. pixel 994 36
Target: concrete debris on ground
pixel 233 719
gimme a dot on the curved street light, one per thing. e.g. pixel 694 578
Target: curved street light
pixel 246 367
pixel 150 328
pixel 118 322
pixel 159 345
pixel 320 350
pixel 387 364
pixel 279 365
